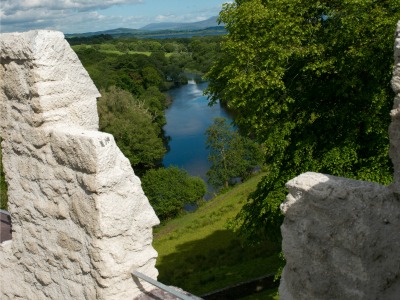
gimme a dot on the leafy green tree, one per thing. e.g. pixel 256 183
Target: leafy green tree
pixel 158 59
pixel 311 81
pixel 155 102
pixel 174 74
pixel 205 51
pixel 130 81
pixel 108 47
pixel 151 77
pixel 169 189
pixel 122 47
pixel 152 45
pixel 122 115
pixel 171 47
pixel 231 155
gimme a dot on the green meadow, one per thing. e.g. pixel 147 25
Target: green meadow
pixel 199 253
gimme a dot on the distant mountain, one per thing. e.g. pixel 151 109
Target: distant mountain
pixel 162 30
pixel 211 22
pixel 113 32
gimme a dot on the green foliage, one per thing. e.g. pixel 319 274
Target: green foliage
pixel 131 123
pixel 155 102
pixel 95 39
pixel 169 189
pixel 231 155
pixel 136 120
pixel 3 184
pixel 151 77
pixel 135 65
pixel 199 254
pixel 311 81
pixel 204 51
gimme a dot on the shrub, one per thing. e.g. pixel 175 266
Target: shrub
pixel 169 189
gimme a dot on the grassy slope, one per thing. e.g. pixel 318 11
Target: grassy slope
pixel 199 254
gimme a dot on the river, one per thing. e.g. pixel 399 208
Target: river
pixel 188 117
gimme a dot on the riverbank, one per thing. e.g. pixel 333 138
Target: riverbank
pixel 188 117
pixel 198 253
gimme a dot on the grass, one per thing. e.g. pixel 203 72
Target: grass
pixel 198 253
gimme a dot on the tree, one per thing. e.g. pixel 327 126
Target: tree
pixel 130 122
pixel 204 51
pixel 170 47
pixel 158 59
pixel 175 75
pixel 311 81
pixel 169 189
pixel 155 102
pixel 231 155
pixel 151 77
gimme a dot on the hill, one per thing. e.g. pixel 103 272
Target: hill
pixel 211 22
pixel 161 30
pixel 112 32
pixel 198 253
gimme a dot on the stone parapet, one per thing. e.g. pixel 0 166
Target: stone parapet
pixel 81 222
pixel 340 239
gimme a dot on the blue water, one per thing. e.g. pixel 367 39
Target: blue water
pixel 188 117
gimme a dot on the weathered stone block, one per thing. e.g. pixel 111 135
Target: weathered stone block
pixel 81 221
pixel 339 239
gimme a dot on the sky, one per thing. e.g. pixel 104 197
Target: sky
pixel 77 16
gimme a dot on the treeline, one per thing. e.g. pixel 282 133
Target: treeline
pixel 96 39
pixel 195 54
pixel 133 76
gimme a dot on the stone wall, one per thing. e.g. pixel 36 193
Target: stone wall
pixel 341 237
pixel 80 219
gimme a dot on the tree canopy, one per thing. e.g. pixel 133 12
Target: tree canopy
pixel 311 81
pixel 131 123
pixel 169 189
pixel 231 155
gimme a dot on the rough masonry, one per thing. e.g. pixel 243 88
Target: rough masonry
pixel 81 222
pixel 341 237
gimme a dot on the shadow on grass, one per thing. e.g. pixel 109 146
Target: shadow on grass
pixel 217 261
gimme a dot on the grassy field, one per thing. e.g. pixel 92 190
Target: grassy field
pixel 198 253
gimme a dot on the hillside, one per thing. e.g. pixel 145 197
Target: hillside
pixel 162 30
pixel 198 253
pixel 211 22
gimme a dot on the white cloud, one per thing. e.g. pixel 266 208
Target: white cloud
pixel 166 18
pixel 75 16
pixel 182 18
pixel 66 15
pixel 10 6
